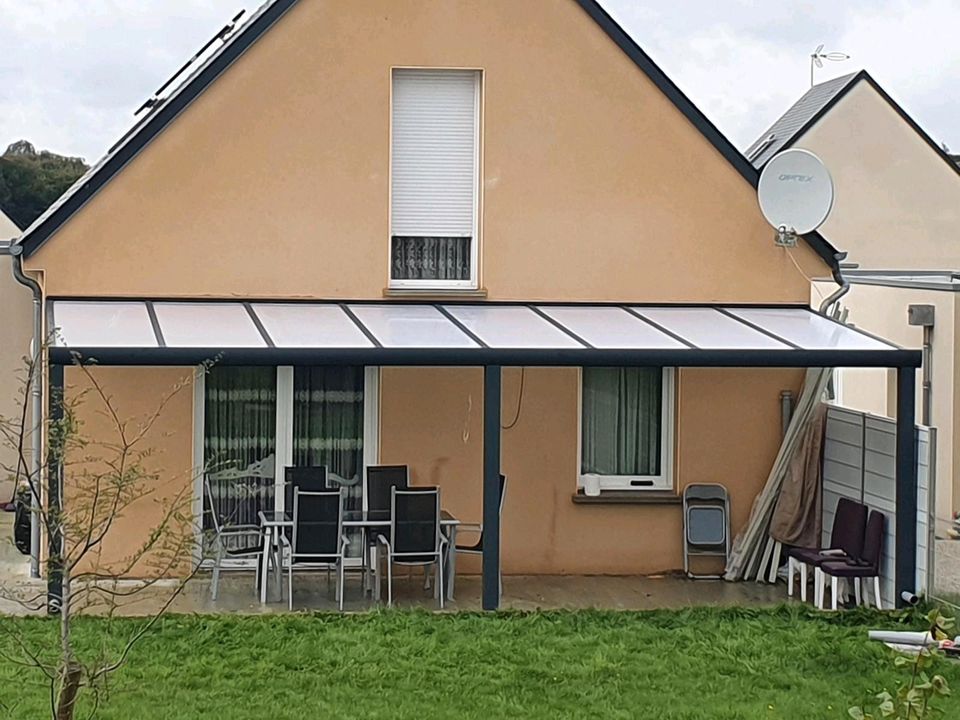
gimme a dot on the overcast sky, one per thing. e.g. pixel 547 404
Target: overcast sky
pixel 73 71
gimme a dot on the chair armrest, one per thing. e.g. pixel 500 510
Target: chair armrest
pixel 246 526
pixel 833 552
pixel 344 539
pixel 284 540
pixel 470 528
pixel 241 531
pixel 381 540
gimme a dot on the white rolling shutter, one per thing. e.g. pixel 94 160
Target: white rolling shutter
pixel 434 153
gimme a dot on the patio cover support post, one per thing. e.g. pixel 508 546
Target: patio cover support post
pixel 54 498
pixel 491 487
pixel 906 525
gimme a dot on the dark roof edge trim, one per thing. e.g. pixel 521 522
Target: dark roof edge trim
pixel 864 75
pixel 478 357
pixel 156 123
pixel 670 89
pixel 686 106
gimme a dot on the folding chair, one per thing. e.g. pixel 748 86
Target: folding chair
pixel 706 524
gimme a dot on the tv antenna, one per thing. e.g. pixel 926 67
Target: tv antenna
pixel 795 194
pixel 818 56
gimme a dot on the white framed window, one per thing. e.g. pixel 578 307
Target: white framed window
pixel 434 178
pixel 626 428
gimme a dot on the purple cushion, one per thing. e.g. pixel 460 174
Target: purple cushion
pixel 846 569
pixel 813 556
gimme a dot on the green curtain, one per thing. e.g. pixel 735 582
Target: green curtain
pixel 328 420
pixel 328 429
pixel 621 421
pixel 240 429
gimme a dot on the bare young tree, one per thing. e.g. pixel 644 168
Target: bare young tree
pixel 92 481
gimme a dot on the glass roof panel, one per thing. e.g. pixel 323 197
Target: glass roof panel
pixel 809 330
pixel 301 325
pixel 511 326
pixel 610 327
pixel 207 325
pixel 710 329
pixel 102 324
pixel 414 326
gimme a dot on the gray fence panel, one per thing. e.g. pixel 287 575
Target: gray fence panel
pixel 859 462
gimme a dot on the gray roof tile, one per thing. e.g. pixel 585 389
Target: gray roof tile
pixel 782 132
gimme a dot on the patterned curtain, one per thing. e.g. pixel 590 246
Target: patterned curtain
pixel 240 441
pixel 431 258
pixel 328 427
pixel 621 421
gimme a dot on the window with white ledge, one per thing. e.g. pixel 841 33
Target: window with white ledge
pixel 626 428
pixel 434 174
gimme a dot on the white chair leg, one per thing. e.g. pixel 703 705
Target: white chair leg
pixel 833 592
pixel 818 588
pixel 803 581
pixel 289 586
pixel 389 581
pixel 857 591
pixel 440 592
pixel 215 583
pixel 791 567
pixel 340 585
pixel 876 592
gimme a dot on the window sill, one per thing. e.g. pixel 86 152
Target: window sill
pixel 629 497
pixel 426 293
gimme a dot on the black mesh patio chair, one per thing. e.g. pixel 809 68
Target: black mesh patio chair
pixel 309 479
pixel 415 538
pixel 477 547
pixel 381 479
pixel 231 540
pixel 846 542
pixel 318 540
pixel 866 567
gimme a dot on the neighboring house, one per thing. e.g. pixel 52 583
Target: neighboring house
pixel 408 197
pixel 897 214
pixel 15 299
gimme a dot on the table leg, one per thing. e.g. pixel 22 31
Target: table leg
pixel 451 564
pixel 267 533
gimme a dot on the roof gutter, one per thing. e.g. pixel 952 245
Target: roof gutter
pixel 15 251
pixel 838 278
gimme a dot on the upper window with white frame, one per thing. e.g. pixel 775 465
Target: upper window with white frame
pixel 434 178
pixel 626 428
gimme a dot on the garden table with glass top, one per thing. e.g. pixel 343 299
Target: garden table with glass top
pixel 274 523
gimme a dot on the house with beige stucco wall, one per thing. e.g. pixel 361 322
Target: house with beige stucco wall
pixel 897 215
pixel 15 300
pixel 470 238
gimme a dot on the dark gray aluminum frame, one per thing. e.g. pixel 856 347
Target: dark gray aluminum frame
pixel 493 359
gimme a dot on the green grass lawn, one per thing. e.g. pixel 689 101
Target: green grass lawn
pixel 786 662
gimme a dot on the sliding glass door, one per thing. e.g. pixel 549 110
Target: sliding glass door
pixel 252 422
pixel 239 442
pixel 328 428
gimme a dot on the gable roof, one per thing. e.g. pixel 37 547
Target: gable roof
pixel 798 117
pixel 814 105
pixel 168 108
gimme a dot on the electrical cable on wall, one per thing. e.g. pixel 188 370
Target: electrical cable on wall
pixel 516 417
pixel 809 279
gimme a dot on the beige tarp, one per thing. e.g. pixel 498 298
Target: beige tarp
pixel 796 518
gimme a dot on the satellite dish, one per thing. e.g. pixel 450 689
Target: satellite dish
pixel 795 194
